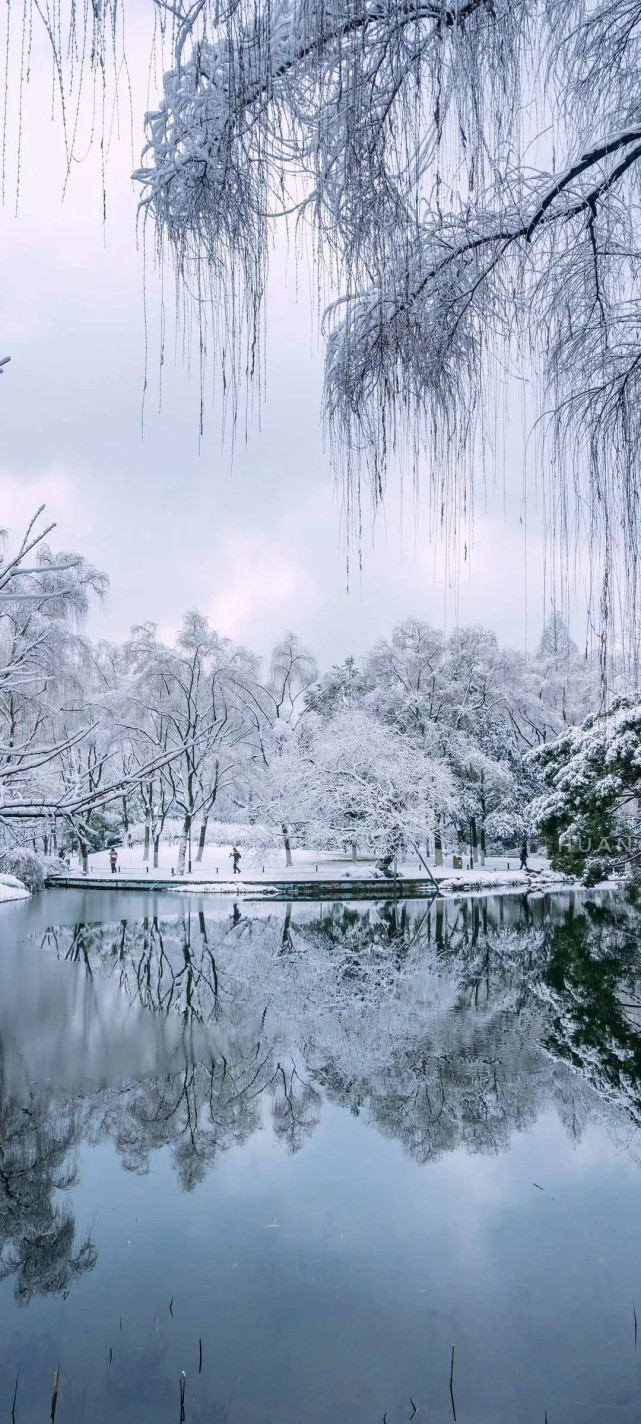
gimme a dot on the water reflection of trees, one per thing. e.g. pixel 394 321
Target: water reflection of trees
pixel 38 1245
pixel 449 1027
pixel 163 977
pixel 592 989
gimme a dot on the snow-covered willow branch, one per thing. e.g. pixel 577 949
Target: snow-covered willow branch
pixel 468 172
pixel 292 107
pixel 80 797
pixel 456 202
pixel 425 155
pixel 412 348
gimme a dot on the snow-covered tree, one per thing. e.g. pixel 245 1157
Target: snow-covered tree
pixel 485 788
pixel 92 734
pixel 566 682
pixel 344 686
pixel 351 780
pixel 43 597
pixel 61 755
pixel 588 814
pixel 274 706
pixel 193 719
pixel 292 672
pixel 465 699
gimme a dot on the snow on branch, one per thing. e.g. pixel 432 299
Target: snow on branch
pixel 404 134
pixel 467 172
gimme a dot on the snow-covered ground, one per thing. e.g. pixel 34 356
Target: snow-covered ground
pixel 267 866
pixel 12 889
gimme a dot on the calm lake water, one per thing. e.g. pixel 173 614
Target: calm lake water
pixel 301 1153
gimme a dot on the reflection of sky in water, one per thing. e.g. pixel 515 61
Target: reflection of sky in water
pixel 329 1283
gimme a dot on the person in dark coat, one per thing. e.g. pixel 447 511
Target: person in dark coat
pixel 235 856
pixel 523 865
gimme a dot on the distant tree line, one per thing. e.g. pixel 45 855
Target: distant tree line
pixel 428 741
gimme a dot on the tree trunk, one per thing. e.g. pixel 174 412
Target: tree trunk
pixel 125 815
pixel 145 853
pixel 182 849
pixel 476 921
pixel 288 849
pixel 45 844
pixel 440 922
pixel 156 845
pixel 84 853
pixel 483 810
pixel 201 840
pixel 286 938
pixel 353 850
pixel 438 847
pixel 473 840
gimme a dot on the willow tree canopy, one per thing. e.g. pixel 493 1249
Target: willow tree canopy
pixel 469 171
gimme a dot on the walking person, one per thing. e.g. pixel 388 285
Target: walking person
pixel 113 860
pixel 130 843
pixel 523 865
pixel 235 856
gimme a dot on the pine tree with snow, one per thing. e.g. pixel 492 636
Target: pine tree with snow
pixel 588 815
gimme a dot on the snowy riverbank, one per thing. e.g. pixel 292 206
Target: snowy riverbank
pixel 12 889
pixel 216 863
pixel 264 873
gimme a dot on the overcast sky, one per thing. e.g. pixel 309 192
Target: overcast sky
pixel 257 544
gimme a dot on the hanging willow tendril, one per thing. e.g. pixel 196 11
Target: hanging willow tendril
pixel 465 174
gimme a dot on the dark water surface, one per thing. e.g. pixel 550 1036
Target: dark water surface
pixel 336 1141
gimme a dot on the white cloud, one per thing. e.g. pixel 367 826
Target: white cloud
pixel 21 495
pixel 259 582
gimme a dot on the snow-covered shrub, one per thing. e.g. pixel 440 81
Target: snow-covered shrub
pixel 52 865
pixel 28 867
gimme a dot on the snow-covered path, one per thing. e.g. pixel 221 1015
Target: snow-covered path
pixel 264 868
